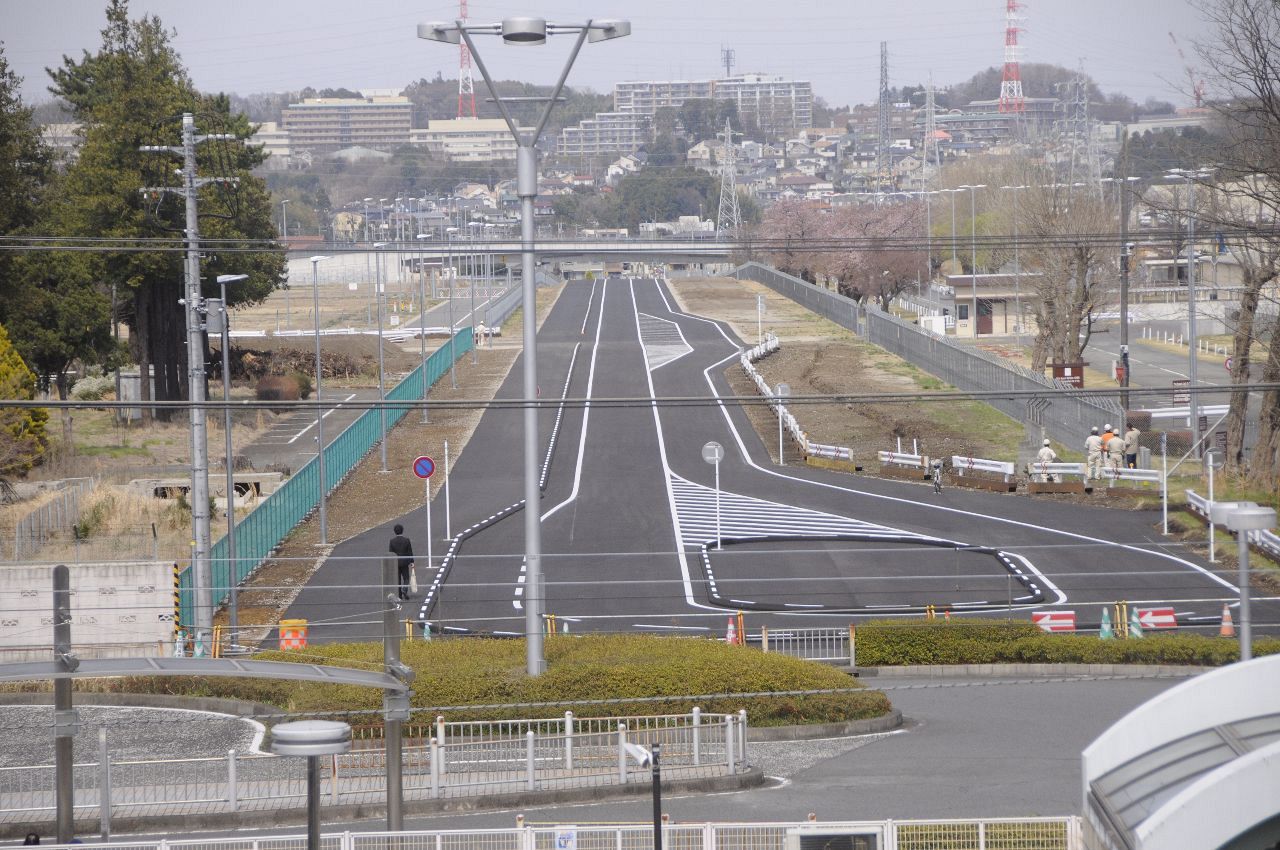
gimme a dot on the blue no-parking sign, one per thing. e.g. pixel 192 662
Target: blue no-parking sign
pixel 423 467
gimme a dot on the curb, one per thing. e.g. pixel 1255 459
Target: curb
pixel 958 671
pixel 277 817
pixel 216 705
pixel 848 729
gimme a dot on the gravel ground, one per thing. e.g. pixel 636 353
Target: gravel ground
pixel 132 733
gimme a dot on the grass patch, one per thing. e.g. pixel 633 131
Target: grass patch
pixel 974 641
pixel 111 451
pixel 479 671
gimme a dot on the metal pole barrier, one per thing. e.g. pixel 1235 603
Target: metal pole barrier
pixel 435 767
pixel 104 784
pixel 1246 625
pixel 697 736
pixel 655 754
pixel 531 782
pixel 233 781
pixel 568 740
pixel 65 721
pixel 742 735
pixel 395 704
pixel 622 753
pixel 448 511
pixel 728 742
pixel 313 803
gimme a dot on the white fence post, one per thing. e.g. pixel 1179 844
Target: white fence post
pixel 233 786
pixel 440 736
pixel 697 736
pixel 435 767
pixel 742 735
pixel 104 783
pixel 333 782
pixel 568 740
pixel 531 781
pixel 622 753
pixel 728 741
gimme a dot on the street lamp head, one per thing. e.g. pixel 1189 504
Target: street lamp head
pixel 608 29
pixel 440 31
pixel 318 259
pixel 1251 517
pixel 231 278
pixel 423 236
pixel 524 30
pixel 380 244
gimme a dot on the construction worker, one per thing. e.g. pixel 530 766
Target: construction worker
pixel 1131 447
pixel 1115 452
pixel 1045 455
pixel 1093 451
pixel 1107 433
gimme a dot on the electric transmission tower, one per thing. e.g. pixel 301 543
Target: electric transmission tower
pixel 931 157
pixel 1011 99
pixel 1076 131
pixel 882 118
pixel 729 219
pixel 466 82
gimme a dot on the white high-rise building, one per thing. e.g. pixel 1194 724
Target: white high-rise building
pixel 777 105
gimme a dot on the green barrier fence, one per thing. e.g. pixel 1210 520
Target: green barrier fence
pixel 262 530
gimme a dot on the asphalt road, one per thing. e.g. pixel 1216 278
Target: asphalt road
pixel 629 510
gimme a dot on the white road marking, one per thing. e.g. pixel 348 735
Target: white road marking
pixel 324 415
pixel 663 341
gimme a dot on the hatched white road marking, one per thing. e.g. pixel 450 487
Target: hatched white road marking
pixel 663 341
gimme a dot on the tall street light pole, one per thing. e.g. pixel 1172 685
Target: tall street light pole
pixel 422 325
pixel 315 302
pixel 529 31
pixel 284 218
pixel 233 578
pixel 1017 268
pixel 378 284
pixel 973 237
pixel 1193 364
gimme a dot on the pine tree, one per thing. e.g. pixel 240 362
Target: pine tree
pixel 22 430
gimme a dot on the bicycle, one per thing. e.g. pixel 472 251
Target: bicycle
pixel 935 474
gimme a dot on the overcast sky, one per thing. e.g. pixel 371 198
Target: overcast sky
pixel 283 45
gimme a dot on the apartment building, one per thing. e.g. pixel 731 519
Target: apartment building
pixel 777 105
pixel 329 124
pixel 608 134
pixel 468 139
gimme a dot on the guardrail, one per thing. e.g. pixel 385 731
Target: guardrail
pixel 960 465
pixel 482 758
pixel 1058 470
pixel 789 422
pixel 1056 833
pixel 261 531
pixel 831 452
pixel 1145 476
pixel 900 459
pixel 1267 542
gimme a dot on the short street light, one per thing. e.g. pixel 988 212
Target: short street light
pixel 233 578
pixel 312 739
pixel 378 285
pixel 530 31
pixel 1242 518
pixel 315 301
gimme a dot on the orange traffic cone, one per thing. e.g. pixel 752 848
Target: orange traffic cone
pixel 731 635
pixel 1228 627
pixel 946 615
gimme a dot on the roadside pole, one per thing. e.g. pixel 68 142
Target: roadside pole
pixel 65 721
pixel 395 704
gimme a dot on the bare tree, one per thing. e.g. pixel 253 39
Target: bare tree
pixel 1061 223
pixel 792 226
pixel 1244 79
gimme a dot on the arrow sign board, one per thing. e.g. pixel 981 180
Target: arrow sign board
pixel 1157 618
pixel 423 467
pixel 1055 621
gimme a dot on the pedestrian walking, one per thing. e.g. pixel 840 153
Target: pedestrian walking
pixel 403 550
pixel 1093 452
pixel 1045 455
pixel 1115 453
pixel 1131 447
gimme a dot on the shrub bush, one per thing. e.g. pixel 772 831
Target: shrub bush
pixel 278 388
pixel 973 641
pixel 480 671
pixel 304 384
pixel 93 388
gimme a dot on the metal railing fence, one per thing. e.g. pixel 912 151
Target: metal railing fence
pixel 816 644
pixel 261 531
pixel 561 754
pixel 1064 415
pixel 1034 833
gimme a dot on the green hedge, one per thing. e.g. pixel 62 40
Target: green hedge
pixel 480 671
pixel 973 641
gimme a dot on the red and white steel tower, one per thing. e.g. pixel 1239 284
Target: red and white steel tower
pixel 466 83
pixel 1011 99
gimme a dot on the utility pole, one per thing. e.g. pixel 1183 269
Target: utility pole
pixel 65 722
pixel 395 704
pixel 882 116
pixel 194 308
pixel 1124 268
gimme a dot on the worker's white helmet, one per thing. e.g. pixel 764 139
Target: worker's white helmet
pixel 1046 442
